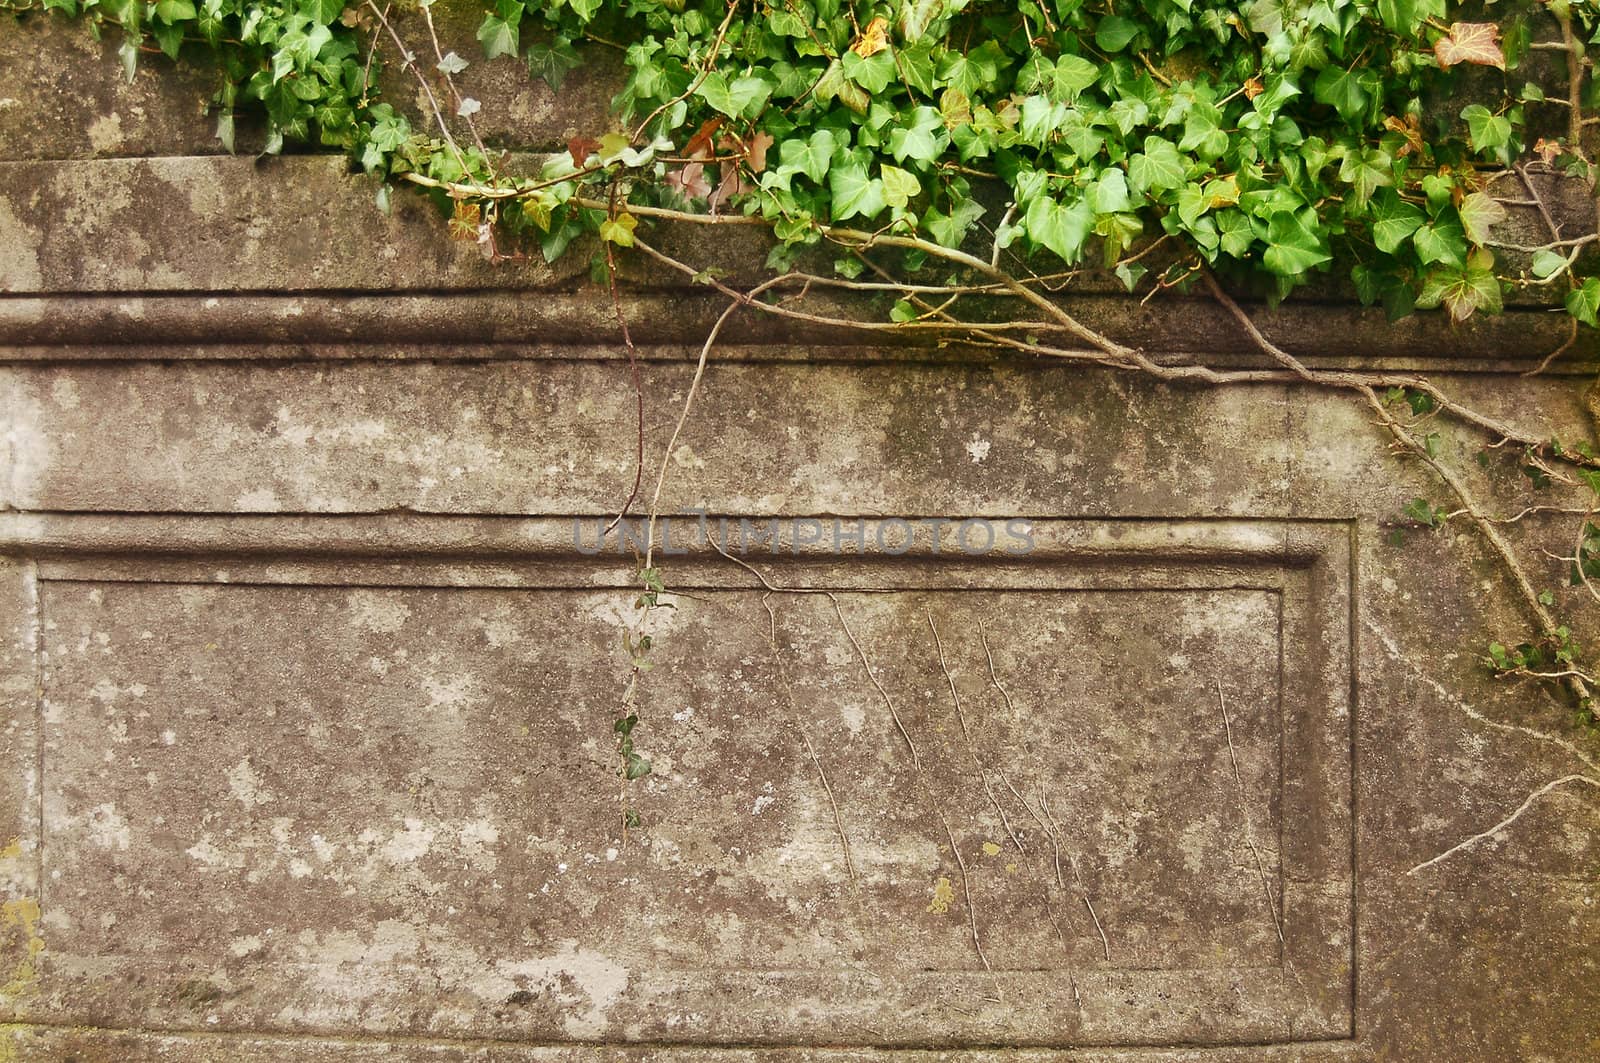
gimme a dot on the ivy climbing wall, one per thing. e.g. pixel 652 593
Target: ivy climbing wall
pixel 312 652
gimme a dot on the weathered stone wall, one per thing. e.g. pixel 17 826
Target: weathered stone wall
pixel 308 689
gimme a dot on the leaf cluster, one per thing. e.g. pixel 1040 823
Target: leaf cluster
pixel 1276 139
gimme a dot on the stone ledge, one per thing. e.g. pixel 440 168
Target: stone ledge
pixel 91 1045
pixel 77 238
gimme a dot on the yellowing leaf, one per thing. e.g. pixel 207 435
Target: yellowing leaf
pixel 619 230
pixel 1480 212
pixel 1470 42
pixel 1408 128
pixel 916 15
pixel 873 39
pixel 464 220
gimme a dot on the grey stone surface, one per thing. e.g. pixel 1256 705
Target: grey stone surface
pixel 306 751
pixel 66 97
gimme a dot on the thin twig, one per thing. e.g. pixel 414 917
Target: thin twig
pixel 993 677
pixel 1485 527
pixel 472 127
pixel 1508 821
pixel 1400 657
pixel 1105 944
pixel 688 404
pixel 638 391
pixel 966 737
pixel 1244 810
pixel 966 889
pixel 705 70
pixel 1577 556
pixel 1101 349
pixel 916 758
pixel 838 821
pixel 409 59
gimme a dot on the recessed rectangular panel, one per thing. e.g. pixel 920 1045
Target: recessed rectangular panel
pixel 961 808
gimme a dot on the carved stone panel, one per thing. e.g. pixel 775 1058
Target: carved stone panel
pixel 1096 795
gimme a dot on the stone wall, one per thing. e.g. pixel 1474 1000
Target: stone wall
pixel 309 684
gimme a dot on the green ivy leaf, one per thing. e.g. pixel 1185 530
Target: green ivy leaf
pixel 1109 194
pixel 922 139
pixel 742 97
pixel 323 11
pixel 810 156
pixel 1292 246
pixel 174 11
pixel 1461 292
pixel 1400 16
pixel 169 37
pixel 1366 171
pixel 1237 237
pixel 1486 131
pixel 1158 168
pixel 209 22
pixel 899 186
pixel 949 230
pixel 498 32
pixel 873 73
pixel 1041 119
pixel 1547 263
pixel 1439 190
pixel 973 72
pixel 1114 33
pixel 1341 89
pixel 1393 221
pixel 1442 241
pixel 1071 75
pixel 1584 302
pixel 1062 229
pixel 619 230
pixel 854 192
pixel 128 52
pixel 553 61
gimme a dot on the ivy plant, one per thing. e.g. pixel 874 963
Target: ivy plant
pixel 1278 138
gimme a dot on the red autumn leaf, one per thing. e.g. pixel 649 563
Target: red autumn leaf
pixel 581 148
pixel 690 180
pixel 1547 150
pixel 755 150
pixel 701 141
pixel 732 184
pixel 1470 42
